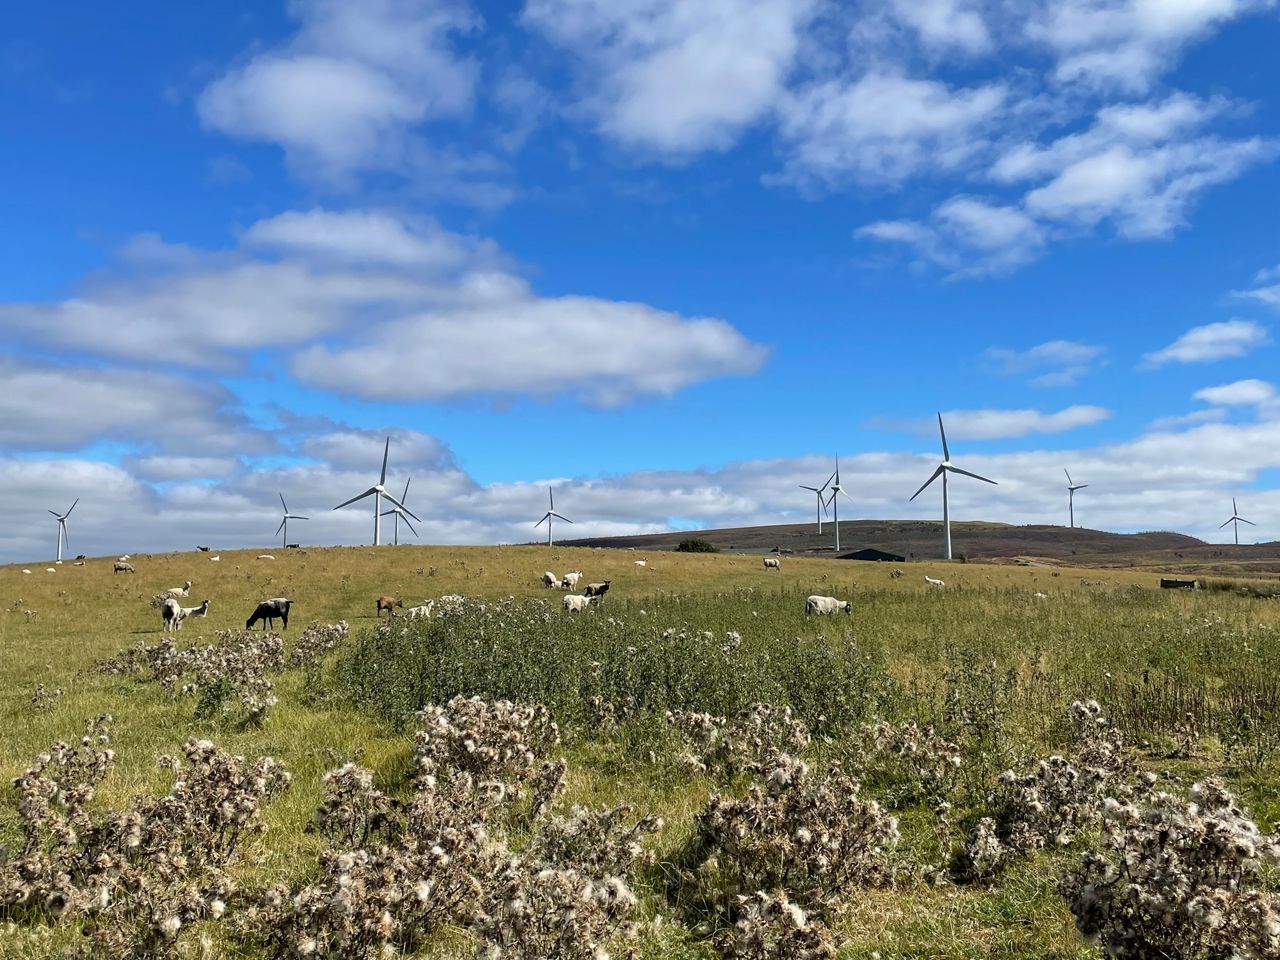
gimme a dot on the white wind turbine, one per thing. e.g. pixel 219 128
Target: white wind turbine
pixel 547 517
pixel 945 467
pixel 1235 521
pixel 62 527
pixel 836 491
pixel 1071 496
pixel 822 506
pixel 400 513
pixel 378 491
pixel 284 523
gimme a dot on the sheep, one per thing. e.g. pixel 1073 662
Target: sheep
pixel 934 583
pixel 823 606
pixel 122 567
pixel 550 580
pixel 264 556
pixel 571 579
pixel 389 604
pixel 1040 596
pixel 202 549
pixel 25 570
pixel 200 611
pixel 773 563
pixel 597 589
pixel 268 610
pixel 574 603
pixel 182 591
pixel 422 612
pixel 214 559
pixel 124 558
pixel 642 563
pixel 171 615
pixel 50 569
pixel 895 573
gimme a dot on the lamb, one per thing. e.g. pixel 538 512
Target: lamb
pixel 182 591
pixel 822 606
pixel 268 610
pixel 122 567
pixel 934 583
pixel 597 589
pixel 773 563
pixel 422 612
pixel 389 604
pixel 571 579
pixel 549 580
pixel 575 603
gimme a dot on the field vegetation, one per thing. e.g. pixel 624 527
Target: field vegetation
pixel 1026 763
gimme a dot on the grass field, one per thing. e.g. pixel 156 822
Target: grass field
pixel 987 663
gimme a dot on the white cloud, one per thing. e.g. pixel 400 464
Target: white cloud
pixel 1195 418
pixel 1266 288
pixel 967 235
pixel 946 24
pixel 676 76
pixel 344 93
pixel 1056 363
pixel 1000 424
pixel 1213 341
pixel 1240 393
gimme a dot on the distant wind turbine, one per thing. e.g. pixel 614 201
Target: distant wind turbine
pixel 62 527
pixel 1071 496
pixel 945 467
pixel 1235 521
pixel 549 515
pixel 836 491
pixel 400 513
pixel 378 491
pixel 284 523
pixel 822 505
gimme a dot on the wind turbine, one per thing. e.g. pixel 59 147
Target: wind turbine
pixel 547 517
pixel 400 512
pixel 1235 520
pixel 284 524
pixel 62 527
pixel 836 491
pixel 1071 496
pixel 378 491
pixel 822 506
pixel 945 467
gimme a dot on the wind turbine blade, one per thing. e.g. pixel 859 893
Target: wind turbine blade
pixel 281 527
pixel 56 514
pixel 1249 522
pixel 405 496
pixel 1235 511
pixel 283 504
pixel 561 516
pixel 974 475
pixel 385 451
pixel 946 454
pixel 1082 486
pixel 397 503
pixel 294 516
pixel 66 537
pixel 800 485
pixel 829 479
pixel 1069 481
pixel 1224 523
pixel 73 506
pixel 825 511
pixel 368 493
pixel 545 518
pixel 387 513
pixel 551 498
pixel 932 477
pixel 410 526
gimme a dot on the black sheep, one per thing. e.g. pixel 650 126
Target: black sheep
pixel 267 611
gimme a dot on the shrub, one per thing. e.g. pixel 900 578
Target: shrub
pixel 696 545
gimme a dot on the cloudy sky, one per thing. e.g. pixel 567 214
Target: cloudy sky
pixel 671 256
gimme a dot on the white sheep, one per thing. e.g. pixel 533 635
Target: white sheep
pixel 773 563
pixel 214 559
pixel 422 612
pixel 265 556
pixel 1040 596
pixel 549 579
pixel 934 583
pixel 570 581
pixel 171 615
pixel 576 603
pixel 182 591
pixel 121 567
pixel 642 563
pixel 50 569
pixel 25 570
pixel 823 606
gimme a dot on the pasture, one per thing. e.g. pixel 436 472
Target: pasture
pixel 1188 679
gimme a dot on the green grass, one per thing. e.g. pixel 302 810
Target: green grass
pixel 984 660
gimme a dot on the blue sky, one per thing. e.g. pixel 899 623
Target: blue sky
pixel 671 256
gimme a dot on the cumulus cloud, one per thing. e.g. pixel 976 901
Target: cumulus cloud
pixel 1240 393
pixel 1055 363
pixel 1213 341
pixel 968 236
pixel 345 91
pixel 1001 424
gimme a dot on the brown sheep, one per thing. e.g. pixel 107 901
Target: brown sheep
pixel 389 604
pixel 597 589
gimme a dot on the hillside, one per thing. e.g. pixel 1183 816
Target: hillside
pixel 982 541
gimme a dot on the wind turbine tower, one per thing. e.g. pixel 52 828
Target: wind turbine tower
pixel 62 527
pixel 944 468
pixel 836 491
pixel 1235 520
pixel 551 515
pixel 284 523
pixel 822 504
pixel 378 491
pixel 400 513
pixel 1071 496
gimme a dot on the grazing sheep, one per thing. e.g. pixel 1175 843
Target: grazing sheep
pixel 389 604
pixel 264 556
pixel 597 589
pixel 895 573
pixel 25 570
pixel 81 556
pixel 123 558
pixel 934 583
pixel 268 610
pixel 772 563
pixel 571 579
pixel 182 591
pixel 822 606
pixel 422 612
pixel 574 603
pixel 122 567
pixel 202 549
pixel 549 580
pixel 293 546
pixel 50 569
pixel 171 615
